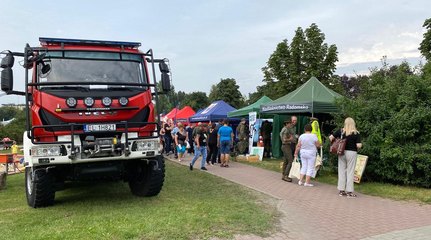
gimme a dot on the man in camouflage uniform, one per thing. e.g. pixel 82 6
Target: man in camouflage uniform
pixel 287 136
pixel 242 133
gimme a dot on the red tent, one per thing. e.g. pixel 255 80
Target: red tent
pixel 184 114
pixel 172 113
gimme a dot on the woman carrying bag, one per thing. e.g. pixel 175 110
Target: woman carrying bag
pixel 347 161
pixel 307 146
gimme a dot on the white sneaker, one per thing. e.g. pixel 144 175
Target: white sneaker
pixel 308 185
pixel 300 183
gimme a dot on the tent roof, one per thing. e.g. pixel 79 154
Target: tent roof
pixel 215 111
pixel 312 97
pixel 254 107
pixel 172 113
pixel 186 112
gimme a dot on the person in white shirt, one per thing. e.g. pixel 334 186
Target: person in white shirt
pixel 307 146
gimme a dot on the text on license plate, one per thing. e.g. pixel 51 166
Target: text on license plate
pixel 99 127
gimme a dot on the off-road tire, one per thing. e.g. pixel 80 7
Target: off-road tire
pixel 147 177
pixel 40 190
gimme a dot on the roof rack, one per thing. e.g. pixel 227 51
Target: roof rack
pixel 48 41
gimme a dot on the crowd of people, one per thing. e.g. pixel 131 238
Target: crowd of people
pixel 214 142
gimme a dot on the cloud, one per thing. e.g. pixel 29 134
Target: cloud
pixel 394 46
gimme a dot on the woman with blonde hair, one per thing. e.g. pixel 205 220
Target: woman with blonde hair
pixel 347 161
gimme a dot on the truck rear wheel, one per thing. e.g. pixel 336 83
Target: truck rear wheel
pixel 147 177
pixel 39 186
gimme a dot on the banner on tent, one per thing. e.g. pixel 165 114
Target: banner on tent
pixel 284 106
pixel 252 118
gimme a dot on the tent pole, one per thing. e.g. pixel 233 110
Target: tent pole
pixel 312 100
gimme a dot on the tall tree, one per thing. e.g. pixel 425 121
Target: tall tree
pixel 228 91
pixel 289 66
pixel 167 101
pixel 425 46
pixel 196 100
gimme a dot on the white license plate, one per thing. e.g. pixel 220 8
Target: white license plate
pixel 99 127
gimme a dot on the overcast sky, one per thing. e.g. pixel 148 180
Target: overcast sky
pixel 208 40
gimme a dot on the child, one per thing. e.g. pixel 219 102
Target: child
pixel 15 150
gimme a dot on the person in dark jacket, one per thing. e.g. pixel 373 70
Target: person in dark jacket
pixel 265 131
pixel 212 145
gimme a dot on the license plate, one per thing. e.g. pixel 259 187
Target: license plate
pixel 99 127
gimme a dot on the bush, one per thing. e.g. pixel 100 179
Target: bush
pixel 393 116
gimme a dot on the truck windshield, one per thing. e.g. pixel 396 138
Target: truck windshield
pixel 92 67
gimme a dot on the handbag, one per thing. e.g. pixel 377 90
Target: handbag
pixel 295 170
pixel 317 165
pixel 338 146
pixel 187 145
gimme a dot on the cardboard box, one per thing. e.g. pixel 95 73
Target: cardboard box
pixel 253 158
pixel 241 158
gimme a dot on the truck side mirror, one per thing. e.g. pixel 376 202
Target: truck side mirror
pixel 166 82
pixel 6 79
pixel 7 61
pixel 163 67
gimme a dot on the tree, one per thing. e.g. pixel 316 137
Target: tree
pixel 289 66
pixel 7 113
pixel 425 46
pixel 196 100
pixel 228 91
pixel 15 129
pixel 353 86
pixel 167 101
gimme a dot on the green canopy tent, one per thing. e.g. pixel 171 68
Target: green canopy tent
pixel 311 97
pixel 255 107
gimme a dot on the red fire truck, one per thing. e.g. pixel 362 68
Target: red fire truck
pixel 90 115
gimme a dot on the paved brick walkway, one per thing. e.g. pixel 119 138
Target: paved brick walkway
pixel 319 213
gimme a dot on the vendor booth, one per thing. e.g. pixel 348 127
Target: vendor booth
pixel 184 114
pixel 309 99
pixel 216 111
pixel 255 107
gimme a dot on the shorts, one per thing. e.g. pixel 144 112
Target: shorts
pixel 181 148
pixel 225 147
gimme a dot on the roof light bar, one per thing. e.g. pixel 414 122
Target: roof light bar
pixel 88 42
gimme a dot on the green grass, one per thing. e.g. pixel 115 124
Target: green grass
pixel 9 151
pixel 191 205
pixel 385 190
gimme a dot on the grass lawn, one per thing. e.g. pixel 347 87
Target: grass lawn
pixel 385 190
pixel 192 205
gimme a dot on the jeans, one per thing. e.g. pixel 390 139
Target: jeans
pixel 202 150
pixel 168 143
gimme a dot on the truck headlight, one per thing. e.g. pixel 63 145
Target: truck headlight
pixel 44 151
pixel 147 145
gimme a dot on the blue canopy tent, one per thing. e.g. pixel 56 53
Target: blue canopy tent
pixel 216 111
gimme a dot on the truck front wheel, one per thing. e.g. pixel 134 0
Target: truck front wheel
pixel 147 177
pixel 39 186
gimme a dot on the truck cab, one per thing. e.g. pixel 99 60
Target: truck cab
pixel 90 108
